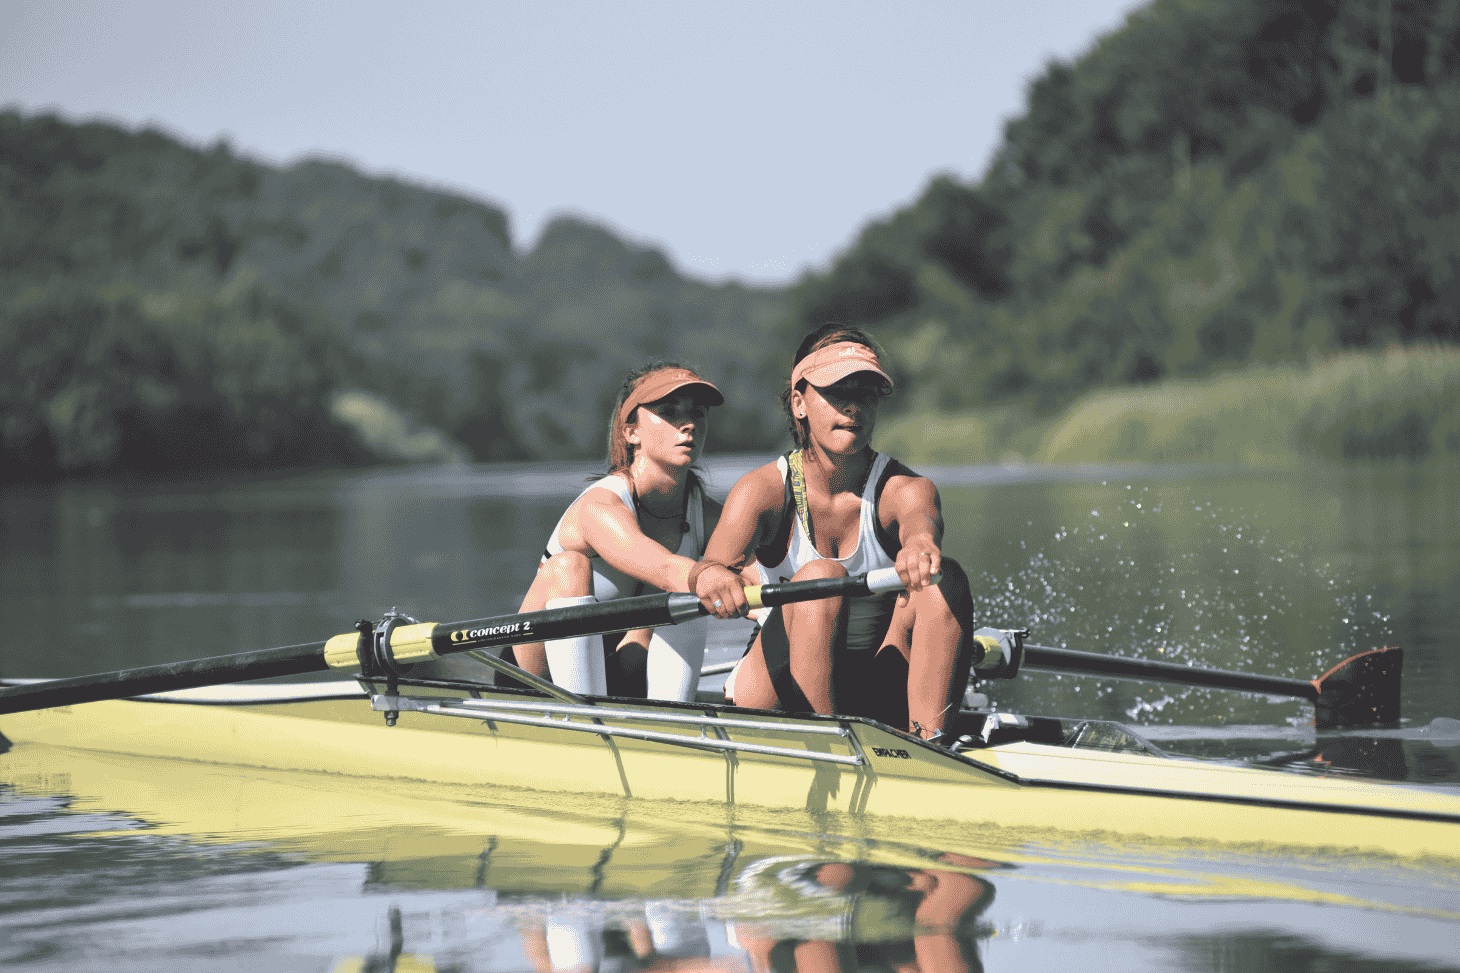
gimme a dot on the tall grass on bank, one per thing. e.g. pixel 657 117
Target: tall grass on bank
pixel 999 434
pixel 1399 403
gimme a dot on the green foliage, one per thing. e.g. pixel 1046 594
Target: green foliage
pixel 412 296
pixel 118 382
pixel 999 434
pixel 1386 244
pixel 1218 186
pixel 1393 404
pixel 1218 183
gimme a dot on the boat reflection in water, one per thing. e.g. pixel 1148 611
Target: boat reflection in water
pixel 121 862
pixel 776 912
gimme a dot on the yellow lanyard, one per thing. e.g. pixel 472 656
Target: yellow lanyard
pixel 798 491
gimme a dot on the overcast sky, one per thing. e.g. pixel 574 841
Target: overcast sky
pixel 748 138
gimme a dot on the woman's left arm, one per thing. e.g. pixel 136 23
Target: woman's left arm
pixel 911 504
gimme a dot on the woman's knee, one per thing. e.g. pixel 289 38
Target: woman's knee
pixel 948 600
pixel 956 591
pixel 752 686
pixel 826 609
pixel 821 568
pixel 568 573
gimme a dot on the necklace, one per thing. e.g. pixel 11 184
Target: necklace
pixel 639 505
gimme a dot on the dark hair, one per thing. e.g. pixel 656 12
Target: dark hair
pixel 827 334
pixel 620 450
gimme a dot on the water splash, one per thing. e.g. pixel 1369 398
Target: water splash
pixel 1158 572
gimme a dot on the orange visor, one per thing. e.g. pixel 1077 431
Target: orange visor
pixel 665 382
pixel 829 365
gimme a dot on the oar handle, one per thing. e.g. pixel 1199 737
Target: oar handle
pixel 879 582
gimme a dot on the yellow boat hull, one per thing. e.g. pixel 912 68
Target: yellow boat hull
pixel 1009 795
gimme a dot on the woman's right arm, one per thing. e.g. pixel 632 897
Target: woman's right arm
pixel 608 528
pixel 752 509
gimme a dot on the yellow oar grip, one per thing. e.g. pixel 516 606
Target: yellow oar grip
pixel 752 596
pixel 408 643
pixel 412 643
pixel 339 652
pixel 993 652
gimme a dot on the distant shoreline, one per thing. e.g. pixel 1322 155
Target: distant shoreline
pixel 1401 403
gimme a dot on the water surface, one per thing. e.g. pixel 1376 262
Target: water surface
pixel 122 865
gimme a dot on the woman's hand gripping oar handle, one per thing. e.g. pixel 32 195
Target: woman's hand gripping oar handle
pixel 880 582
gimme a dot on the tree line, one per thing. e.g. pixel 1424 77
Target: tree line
pixel 182 309
pixel 1218 183
pixel 1215 185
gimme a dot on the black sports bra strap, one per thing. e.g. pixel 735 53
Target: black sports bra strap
pixel 779 545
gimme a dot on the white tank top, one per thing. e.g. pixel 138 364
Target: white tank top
pixel 608 581
pixel 868 555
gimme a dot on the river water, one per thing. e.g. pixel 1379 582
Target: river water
pixel 115 864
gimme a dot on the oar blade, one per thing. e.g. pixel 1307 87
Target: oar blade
pixel 1362 690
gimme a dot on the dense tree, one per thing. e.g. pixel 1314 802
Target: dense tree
pixel 137 238
pixel 99 384
pixel 1217 182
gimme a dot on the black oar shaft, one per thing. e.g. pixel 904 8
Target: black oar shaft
pixel 291 660
pixel 392 647
pixel 342 652
pixel 1093 664
pixel 645 611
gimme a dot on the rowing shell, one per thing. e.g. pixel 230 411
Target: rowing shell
pixel 1040 779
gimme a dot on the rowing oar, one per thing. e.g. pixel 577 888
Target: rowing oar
pixel 1362 690
pixel 387 649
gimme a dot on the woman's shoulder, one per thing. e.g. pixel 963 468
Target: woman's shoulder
pixel 615 483
pixel 611 492
pixel 765 482
pixel 900 486
pixel 895 468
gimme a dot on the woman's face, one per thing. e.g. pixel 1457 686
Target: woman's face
pixel 671 431
pixel 841 417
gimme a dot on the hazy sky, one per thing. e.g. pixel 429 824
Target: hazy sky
pixel 749 138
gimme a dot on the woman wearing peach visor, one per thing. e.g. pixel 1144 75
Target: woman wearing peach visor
pixel 635 530
pixel 831 507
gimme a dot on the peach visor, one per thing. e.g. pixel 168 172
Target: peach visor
pixel 829 365
pixel 665 382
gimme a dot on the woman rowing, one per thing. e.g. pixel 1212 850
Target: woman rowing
pixel 831 507
pixel 638 528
